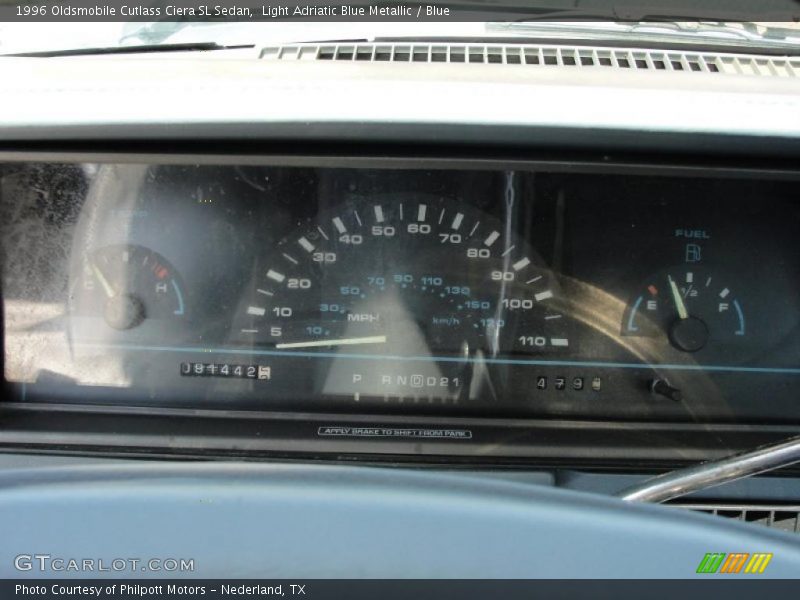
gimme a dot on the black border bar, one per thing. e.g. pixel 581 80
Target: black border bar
pixel 702 586
pixel 195 11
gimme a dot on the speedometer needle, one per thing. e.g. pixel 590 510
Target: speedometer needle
pixel 682 312
pixel 376 339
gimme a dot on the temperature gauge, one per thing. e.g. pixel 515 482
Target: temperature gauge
pixel 126 285
pixel 691 306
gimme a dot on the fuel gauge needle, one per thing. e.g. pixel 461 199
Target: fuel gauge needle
pixel 676 294
pixel 376 339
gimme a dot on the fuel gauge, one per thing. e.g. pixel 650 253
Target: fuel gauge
pixel 691 306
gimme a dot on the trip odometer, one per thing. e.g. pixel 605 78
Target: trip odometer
pixel 418 277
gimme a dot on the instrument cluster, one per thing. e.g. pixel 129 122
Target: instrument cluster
pixel 541 290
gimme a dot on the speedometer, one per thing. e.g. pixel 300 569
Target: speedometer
pixel 402 276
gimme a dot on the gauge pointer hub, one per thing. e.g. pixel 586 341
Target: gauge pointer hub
pixel 689 335
pixel 124 312
pixel 375 339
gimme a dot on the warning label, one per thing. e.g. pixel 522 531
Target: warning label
pixel 395 432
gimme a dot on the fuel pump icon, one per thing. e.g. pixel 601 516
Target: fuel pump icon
pixel 694 253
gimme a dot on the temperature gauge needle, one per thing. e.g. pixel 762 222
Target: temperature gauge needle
pixel 109 291
pixel 376 339
pixel 676 294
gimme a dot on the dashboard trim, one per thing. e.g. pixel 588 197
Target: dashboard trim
pixel 531 442
pixel 436 158
pixel 71 98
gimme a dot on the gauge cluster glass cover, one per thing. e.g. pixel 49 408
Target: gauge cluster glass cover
pixel 538 291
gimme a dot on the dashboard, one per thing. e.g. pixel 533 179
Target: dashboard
pixel 505 283
pixel 367 290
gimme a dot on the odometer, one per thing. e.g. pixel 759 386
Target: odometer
pixel 419 277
